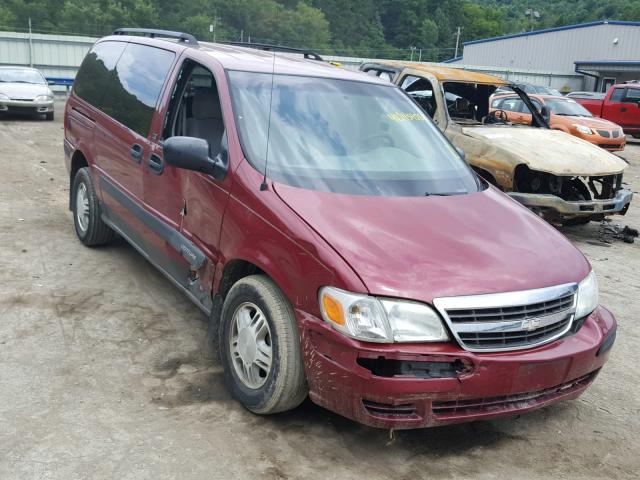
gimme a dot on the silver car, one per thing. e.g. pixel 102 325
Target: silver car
pixel 25 90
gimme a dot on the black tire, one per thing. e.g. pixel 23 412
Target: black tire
pixel 285 385
pixel 97 232
pixel 49 116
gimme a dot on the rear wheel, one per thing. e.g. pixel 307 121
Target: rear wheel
pixel 260 347
pixel 87 213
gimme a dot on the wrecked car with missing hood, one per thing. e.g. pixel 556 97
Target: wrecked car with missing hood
pixel 562 178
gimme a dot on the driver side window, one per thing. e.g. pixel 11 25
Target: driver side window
pixel 422 92
pixel 195 109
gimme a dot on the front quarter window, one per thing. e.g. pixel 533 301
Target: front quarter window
pixel 344 136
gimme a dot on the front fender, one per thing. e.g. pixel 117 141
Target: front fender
pixel 261 229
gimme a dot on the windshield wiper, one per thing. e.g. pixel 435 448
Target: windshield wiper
pixel 443 194
pixel 24 81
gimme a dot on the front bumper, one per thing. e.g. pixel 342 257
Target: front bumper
pixel 610 144
pixel 415 386
pixel 550 203
pixel 26 107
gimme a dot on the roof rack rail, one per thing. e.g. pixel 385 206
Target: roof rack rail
pixel 308 54
pixel 152 33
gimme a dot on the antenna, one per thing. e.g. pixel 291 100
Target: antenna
pixel 263 185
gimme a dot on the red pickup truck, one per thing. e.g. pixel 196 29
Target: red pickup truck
pixel 621 105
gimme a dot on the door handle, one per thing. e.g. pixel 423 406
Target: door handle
pixel 156 164
pixel 136 152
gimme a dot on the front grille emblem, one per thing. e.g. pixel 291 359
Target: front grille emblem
pixel 530 324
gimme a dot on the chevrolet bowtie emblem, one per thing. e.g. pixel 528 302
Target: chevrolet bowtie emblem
pixel 530 324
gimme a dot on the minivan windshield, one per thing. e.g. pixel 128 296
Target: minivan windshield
pixel 20 75
pixel 344 136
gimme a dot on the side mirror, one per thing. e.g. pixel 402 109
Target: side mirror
pixel 544 112
pixel 192 153
pixel 461 152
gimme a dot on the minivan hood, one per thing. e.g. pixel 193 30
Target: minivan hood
pixel 547 150
pixel 24 91
pixel 422 248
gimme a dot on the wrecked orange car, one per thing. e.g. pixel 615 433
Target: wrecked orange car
pixel 566 115
pixel 559 176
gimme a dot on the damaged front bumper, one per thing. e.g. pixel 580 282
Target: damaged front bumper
pixel 547 203
pixel 404 386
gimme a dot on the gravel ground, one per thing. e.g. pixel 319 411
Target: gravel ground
pixel 102 375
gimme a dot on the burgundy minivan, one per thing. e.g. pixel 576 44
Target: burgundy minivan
pixel 339 244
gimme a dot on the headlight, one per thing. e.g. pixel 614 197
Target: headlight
pixel 383 320
pixel 43 98
pixel 587 296
pixel 4 97
pixel 583 129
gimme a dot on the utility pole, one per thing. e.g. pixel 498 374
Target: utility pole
pixel 241 36
pixel 30 45
pixel 413 49
pixel 457 42
pixel 212 27
pixel 420 55
pixel 533 16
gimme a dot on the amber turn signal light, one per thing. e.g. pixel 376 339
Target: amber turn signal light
pixel 333 309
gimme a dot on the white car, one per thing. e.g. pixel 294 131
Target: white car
pixel 25 90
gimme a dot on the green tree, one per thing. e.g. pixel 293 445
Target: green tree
pixel 355 26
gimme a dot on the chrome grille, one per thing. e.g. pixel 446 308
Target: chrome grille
pixel 520 312
pixel 509 321
pixel 497 340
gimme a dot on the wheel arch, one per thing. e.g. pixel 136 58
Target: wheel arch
pixel 78 161
pixel 486 175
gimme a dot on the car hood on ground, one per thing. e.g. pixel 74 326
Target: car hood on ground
pixel 427 247
pixel 545 150
pixel 26 91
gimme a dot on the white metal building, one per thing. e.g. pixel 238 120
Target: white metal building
pixel 53 55
pixel 602 53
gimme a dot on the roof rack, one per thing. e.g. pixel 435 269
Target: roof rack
pixel 152 33
pixel 308 54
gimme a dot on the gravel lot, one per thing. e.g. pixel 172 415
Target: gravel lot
pixel 102 373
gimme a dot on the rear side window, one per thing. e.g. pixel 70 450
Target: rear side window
pixel 136 84
pixel 633 94
pixel 512 105
pixel 92 78
pixel 617 95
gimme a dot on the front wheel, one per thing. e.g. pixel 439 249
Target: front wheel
pixel 260 347
pixel 49 116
